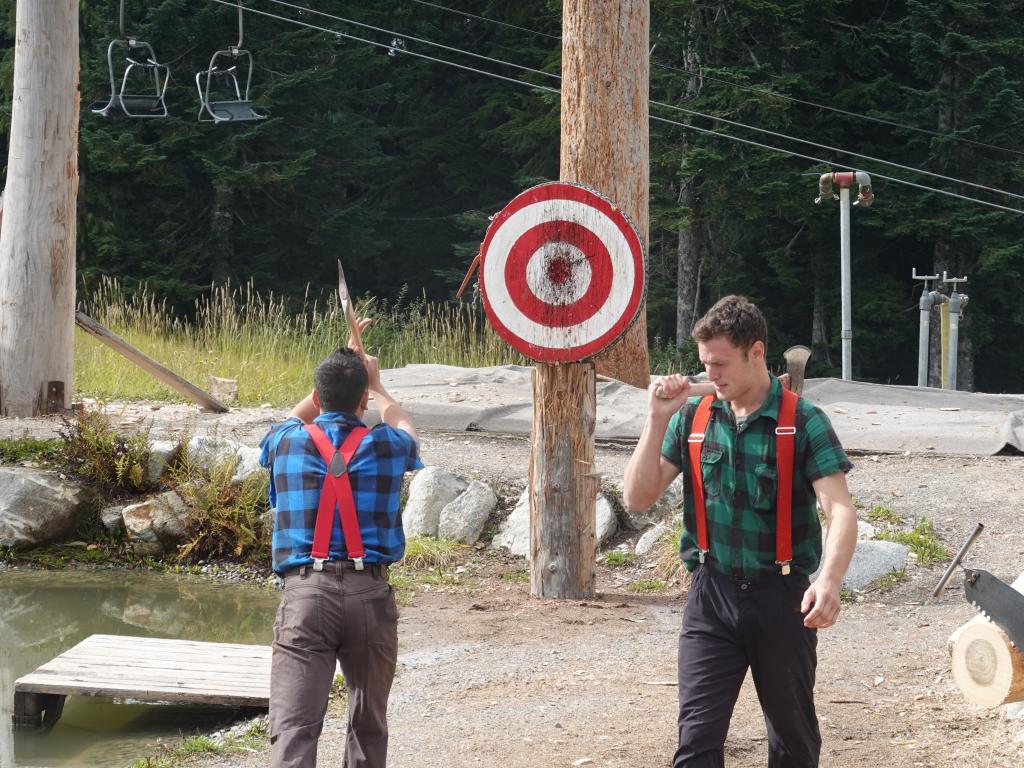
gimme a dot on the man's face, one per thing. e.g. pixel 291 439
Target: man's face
pixel 731 369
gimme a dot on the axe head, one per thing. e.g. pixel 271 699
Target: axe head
pixel 347 308
pixel 796 361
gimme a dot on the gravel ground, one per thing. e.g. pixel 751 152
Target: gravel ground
pixel 490 676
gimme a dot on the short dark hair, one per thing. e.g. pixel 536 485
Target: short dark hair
pixel 341 380
pixel 735 318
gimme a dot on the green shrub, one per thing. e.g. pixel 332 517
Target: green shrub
pixel 922 541
pixel 14 450
pixel 617 558
pixel 109 463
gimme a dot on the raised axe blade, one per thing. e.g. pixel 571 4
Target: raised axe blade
pixel 348 309
pixel 796 362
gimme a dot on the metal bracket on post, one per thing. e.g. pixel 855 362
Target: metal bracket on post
pixel 957 302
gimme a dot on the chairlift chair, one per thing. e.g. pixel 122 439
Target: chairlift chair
pixel 223 74
pixel 140 66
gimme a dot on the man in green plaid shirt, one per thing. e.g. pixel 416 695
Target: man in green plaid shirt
pixel 744 609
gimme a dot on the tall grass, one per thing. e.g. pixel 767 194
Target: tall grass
pixel 268 343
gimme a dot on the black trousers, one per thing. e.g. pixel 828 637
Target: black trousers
pixel 731 625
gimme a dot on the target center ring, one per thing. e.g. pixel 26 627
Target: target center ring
pixel 558 273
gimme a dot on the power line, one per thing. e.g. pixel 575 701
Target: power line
pixel 765 131
pixel 754 89
pixel 549 89
pixel 414 38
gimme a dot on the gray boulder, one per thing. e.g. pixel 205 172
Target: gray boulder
pixel 208 451
pixel 248 464
pixel 873 560
pixel 160 453
pixel 37 507
pixel 156 525
pixel 670 503
pixel 430 491
pixel 111 518
pixel 650 539
pixel 464 518
pixel 514 533
pixel 606 521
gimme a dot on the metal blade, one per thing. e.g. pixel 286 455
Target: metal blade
pixel 348 309
pixel 998 602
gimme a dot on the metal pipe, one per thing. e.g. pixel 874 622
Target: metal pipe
pixel 241 36
pixel 121 17
pixel 923 337
pixel 957 559
pixel 957 302
pixel 844 265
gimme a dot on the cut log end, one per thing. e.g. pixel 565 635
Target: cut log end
pixel 986 667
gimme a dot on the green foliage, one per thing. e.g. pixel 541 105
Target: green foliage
pixel 109 463
pixel 428 553
pixel 15 450
pixel 922 541
pixel 617 558
pixel 882 514
pixel 646 585
pixel 227 519
pixel 890 580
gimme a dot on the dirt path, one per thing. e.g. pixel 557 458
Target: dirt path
pixel 489 676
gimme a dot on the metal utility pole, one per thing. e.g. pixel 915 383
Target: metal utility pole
pixel 37 244
pixel 957 303
pixel 928 301
pixel 606 132
pixel 605 146
pixel 845 180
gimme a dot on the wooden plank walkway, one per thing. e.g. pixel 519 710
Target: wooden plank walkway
pixel 145 669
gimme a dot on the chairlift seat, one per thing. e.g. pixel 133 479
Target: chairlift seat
pixel 234 111
pixel 135 104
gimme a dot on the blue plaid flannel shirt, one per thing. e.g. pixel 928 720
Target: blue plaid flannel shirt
pixel 297 475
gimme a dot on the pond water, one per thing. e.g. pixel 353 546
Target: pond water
pixel 43 613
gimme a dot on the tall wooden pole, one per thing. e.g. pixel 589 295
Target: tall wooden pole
pixel 605 70
pixel 37 241
pixel 605 131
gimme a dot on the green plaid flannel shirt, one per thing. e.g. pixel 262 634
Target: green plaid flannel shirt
pixel 738 463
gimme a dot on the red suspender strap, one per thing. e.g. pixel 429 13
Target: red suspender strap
pixel 695 442
pixel 337 492
pixel 785 439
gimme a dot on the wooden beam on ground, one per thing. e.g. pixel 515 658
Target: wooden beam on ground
pixel 148 364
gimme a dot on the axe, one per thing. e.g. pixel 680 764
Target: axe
pixel 348 309
pixel 796 361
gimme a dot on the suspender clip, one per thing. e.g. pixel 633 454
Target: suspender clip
pixel 784 565
pixel 359 563
pixel 701 556
pixel 785 430
pixel 318 563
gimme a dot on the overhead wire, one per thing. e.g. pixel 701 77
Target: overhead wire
pixel 750 88
pixel 548 89
pixel 662 104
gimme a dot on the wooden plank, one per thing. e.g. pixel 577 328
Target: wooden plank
pixel 148 364
pixel 155 669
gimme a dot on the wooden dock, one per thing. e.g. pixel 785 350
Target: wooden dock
pixel 145 669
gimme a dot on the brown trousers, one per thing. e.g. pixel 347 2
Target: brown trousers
pixel 338 613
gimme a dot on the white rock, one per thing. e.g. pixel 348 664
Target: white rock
pixel 160 453
pixel 37 507
pixel 208 451
pixel 156 525
pixel 650 539
pixel 429 492
pixel 514 533
pixel 606 522
pixel 464 518
pixel 873 560
pixel 111 518
pixel 865 530
pixel 1014 711
pixel 248 464
pixel 670 503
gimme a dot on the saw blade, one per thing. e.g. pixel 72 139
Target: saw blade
pixel 998 602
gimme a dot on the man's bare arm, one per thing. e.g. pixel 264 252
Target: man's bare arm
pixel 391 413
pixel 648 474
pixel 822 597
pixel 305 409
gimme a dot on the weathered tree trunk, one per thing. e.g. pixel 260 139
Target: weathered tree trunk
pixel 605 135
pixel 986 667
pixel 222 247
pixel 563 485
pixel 37 244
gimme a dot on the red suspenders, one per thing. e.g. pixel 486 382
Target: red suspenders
pixel 337 492
pixel 785 440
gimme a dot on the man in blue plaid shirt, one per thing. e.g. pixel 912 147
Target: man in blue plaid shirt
pixel 338 611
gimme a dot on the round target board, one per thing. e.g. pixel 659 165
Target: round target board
pixel 563 273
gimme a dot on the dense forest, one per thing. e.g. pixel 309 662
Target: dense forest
pixel 394 162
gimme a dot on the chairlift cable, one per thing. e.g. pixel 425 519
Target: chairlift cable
pixel 665 105
pixel 752 89
pixel 549 89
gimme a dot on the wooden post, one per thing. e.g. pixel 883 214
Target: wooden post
pixel 605 132
pixel 37 243
pixel 605 70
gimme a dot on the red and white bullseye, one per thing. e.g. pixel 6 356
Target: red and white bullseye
pixel 563 273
